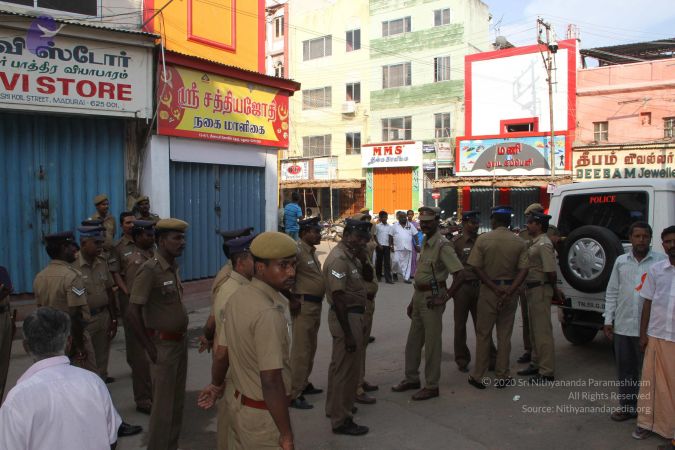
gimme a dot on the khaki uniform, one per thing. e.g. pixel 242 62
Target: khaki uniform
pixel 342 272
pixel 426 326
pixel 221 277
pixel 223 294
pixel 132 258
pixel 522 299
pixel 257 331
pixel 110 229
pixel 122 248
pixel 151 217
pixel 466 301
pixel 501 254
pixel 541 260
pixel 371 291
pixel 60 286
pixel 98 283
pixel 158 290
pixel 309 284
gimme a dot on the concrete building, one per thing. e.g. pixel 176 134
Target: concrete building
pixel 276 41
pixel 382 82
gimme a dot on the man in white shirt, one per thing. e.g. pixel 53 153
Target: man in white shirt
pixel 622 315
pixel 403 234
pixel 656 402
pixel 56 405
pixel 383 250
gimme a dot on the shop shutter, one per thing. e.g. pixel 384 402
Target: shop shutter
pixel 392 189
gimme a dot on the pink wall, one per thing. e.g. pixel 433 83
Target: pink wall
pixel 623 95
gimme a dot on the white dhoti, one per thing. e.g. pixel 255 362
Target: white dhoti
pixel 402 262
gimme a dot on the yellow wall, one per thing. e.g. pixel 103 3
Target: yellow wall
pixel 214 34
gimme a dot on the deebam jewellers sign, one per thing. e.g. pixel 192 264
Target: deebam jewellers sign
pixel 630 163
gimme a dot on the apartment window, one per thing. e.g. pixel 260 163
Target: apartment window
pixel 396 75
pixel 600 131
pixel 441 17
pixel 316 146
pixel 316 98
pixel 278 26
pixel 353 40
pixel 397 129
pixel 442 68
pixel 84 7
pixel 442 125
pixel 394 27
pixel 354 92
pixel 279 70
pixel 668 127
pixel 353 143
pixel 317 48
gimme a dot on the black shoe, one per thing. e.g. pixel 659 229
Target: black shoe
pixel 371 339
pixel 389 282
pixel 395 277
pixel 144 409
pixel 109 380
pixel 351 429
pixel 311 390
pixel 369 387
pixel 525 358
pixel 128 430
pixel 300 403
pixel 529 370
pixel 541 379
pixel 476 384
pixel 501 383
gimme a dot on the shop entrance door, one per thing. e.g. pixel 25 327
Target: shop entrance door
pixel 392 189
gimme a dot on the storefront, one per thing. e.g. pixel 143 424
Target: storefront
pixel 393 175
pixel 73 109
pixel 214 160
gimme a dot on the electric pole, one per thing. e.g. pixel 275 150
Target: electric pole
pixel 546 36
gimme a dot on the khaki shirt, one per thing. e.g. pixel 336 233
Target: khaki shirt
pixel 525 235
pixel 463 245
pixel 151 216
pixel 97 280
pixel 122 248
pixel 342 272
pixel 133 261
pixel 308 275
pixel 439 252
pixel 500 253
pixel 60 286
pixel 110 228
pixel 223 294
pixel 158 289
pixel 257 330
pixel 540 258
pixel 371 286
pixel 220 279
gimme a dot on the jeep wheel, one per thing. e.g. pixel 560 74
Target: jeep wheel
pixel 577 334
pixel 587 258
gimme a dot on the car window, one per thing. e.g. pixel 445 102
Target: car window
pixel 615 211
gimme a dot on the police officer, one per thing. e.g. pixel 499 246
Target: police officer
pixel 309 290
pixel 499 258
pixel 257 333
pixel 437 261
pixel 102 327
pixel 466 299
pixel 102 205
pixel 142 209
pixel 344 273
pixel 540 285
pixel 123 247
pixel 159 319
pixel 221 377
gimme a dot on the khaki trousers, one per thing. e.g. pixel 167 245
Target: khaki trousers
pixel 525 317
pixel 137 359
pixel 305 331
pixel 226 414
pixel 5 347
pixel 98 328
pixel 367 328
pixel 89 362
pixel 488 318
pixel 168 392
pixel 541 331
pixel 465 302
pixel 426 328
pixel 344 370
pixel 254 428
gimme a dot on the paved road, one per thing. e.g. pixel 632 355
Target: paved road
pixel 520 417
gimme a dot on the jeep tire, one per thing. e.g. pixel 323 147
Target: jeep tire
pixel 577 334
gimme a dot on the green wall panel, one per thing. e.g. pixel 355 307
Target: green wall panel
pixel 425 94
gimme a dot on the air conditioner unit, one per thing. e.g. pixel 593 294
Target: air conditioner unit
pixel 349 107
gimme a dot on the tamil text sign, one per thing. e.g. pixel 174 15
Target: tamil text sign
pixel 391 154
pixel 295 170
pixel 606 164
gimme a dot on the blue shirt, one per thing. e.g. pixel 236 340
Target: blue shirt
pixel 292 213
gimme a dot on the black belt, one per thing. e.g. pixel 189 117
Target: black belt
pixel 357 309
pixel 535 284
pixel 4 309
pixel 503 282
pixel 95 311
pixel 312 298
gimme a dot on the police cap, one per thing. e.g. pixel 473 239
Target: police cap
pixel 100 198
pixel 502 209
pixel 273 245
pixel 470 215
pixel 164 225
pixel 89 232
pixel 240 244
pixel 539 217
pixel 233 234
pixel 141 225
pixel 142 198
pixel 92 223
pixel 534 207
pixel 358 225
pixel 308 224
pixel 63 236
pixel 429 213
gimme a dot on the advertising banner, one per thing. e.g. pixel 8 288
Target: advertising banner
pixel 509 156
pixel 200 105
pixel 325 168
pixel 608 164
pixel 391 154
pixel 295 170
pixel 42 69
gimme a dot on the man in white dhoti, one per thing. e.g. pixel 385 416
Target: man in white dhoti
pixel 403 233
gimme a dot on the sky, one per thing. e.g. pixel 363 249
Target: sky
pixel 600 22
